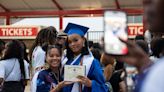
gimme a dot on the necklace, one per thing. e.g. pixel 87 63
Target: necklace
pixel 57 75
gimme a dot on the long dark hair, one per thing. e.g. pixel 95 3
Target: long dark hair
pixel 84 51
pixel 47 35
pixel 25 56
pixel 2 46
pixel 157 46
pixel 14 50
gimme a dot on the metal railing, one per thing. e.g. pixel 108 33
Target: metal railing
pixel 95 36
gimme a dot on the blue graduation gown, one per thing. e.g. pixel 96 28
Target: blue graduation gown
pixel 98 81
pixel 45 80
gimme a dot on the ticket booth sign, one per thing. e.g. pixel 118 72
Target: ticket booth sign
pixel 135 29
pixel 18 32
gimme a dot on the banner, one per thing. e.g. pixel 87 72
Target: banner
pixel 135 29
pixel 19 32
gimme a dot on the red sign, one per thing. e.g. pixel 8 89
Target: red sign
pixel 135 29
pixel 23 32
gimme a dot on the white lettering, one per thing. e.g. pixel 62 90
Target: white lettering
pixel 140 30
pixel 131 30
pixel 29 31
pixel 3 32
pixel 25 32
pixel 135 30
pixel 17 31
pixel 11 32
pixel 20 32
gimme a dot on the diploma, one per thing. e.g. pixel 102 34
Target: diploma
pixel 72 71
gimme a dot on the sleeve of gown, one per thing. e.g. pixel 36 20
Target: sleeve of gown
pixel 41 84
pixel 98 80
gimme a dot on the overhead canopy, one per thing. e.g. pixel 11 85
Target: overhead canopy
pixel 63 7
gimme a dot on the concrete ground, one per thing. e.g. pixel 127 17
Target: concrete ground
pixel 27 89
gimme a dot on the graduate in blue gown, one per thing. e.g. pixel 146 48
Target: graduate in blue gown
pixel 79 54
pixel 49 80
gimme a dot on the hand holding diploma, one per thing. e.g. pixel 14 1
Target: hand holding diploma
pixel 84 80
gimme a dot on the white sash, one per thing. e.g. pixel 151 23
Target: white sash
pixel 34 82
pixel 64 60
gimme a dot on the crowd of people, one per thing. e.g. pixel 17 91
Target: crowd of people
pixel 52 51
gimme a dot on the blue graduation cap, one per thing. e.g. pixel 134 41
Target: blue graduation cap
pixel 75 29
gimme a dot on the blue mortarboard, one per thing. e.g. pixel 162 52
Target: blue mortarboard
pixel 75 29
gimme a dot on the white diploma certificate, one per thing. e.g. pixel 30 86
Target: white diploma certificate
pixel 72 71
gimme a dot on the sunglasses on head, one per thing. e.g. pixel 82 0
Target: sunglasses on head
pixel 61 38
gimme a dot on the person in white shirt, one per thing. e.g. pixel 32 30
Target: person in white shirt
pixel 26 63
pixel 37 53
pixel 12 70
